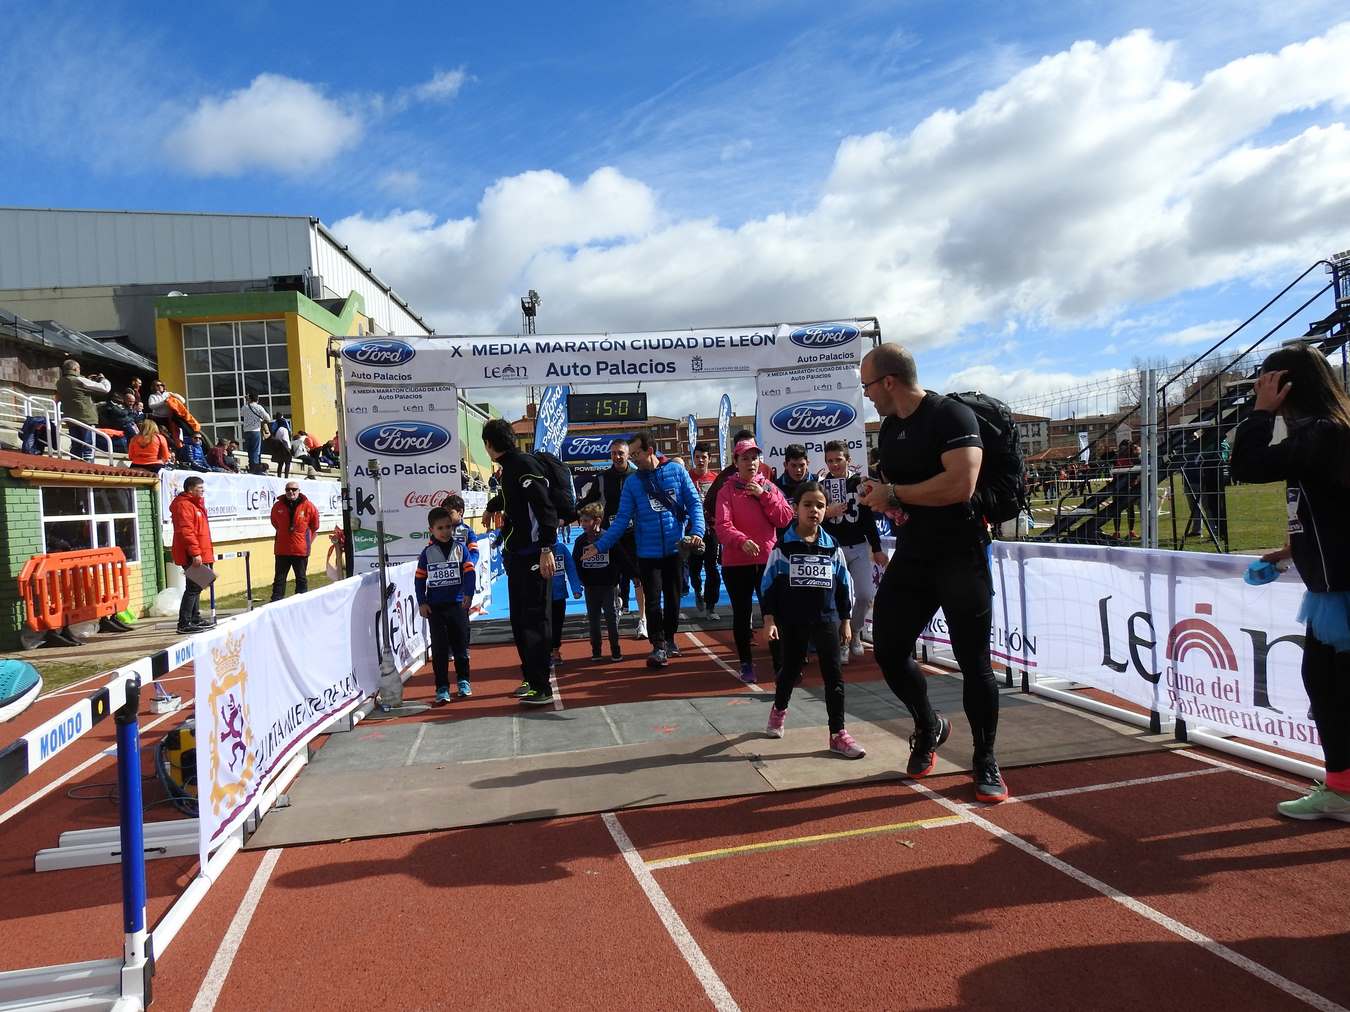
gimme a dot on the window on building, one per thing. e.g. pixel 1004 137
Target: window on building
pixel 101 517
pixel 225 362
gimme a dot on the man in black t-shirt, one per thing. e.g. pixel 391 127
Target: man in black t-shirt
pixel 930 454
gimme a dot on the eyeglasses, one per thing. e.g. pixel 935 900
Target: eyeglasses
pixel 290 490
pixel 876 381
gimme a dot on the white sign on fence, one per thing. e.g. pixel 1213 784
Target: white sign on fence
pixel 269 681
pixel 238 503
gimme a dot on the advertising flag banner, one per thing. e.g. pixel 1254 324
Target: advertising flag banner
pixel 691 424
pixel 811 407
pixel 723 430
pixel 550 420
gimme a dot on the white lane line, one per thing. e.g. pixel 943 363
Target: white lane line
pixel 65 777
pixel 557 693
pixel 417 743
pixel 1091 788
pixel 613 727
pixel 723 664
pixel 515 736
pixel 214 981
pixel 1145 911
pixel 684 941
pixel 1232 768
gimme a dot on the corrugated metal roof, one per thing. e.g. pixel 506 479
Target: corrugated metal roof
pixel 71 343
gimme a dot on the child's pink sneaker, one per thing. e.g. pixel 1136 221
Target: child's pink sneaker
pixel 844 745
pixel 777 718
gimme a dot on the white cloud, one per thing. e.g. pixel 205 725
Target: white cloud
pixel 1090 182
pixel 400 182
pixel 276 123
pixel 1200 333
pixel 736 149
pixel 442 87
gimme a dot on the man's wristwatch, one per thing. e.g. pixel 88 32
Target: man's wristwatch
pixel 891 501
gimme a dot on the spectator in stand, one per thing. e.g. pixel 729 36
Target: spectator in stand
pixel 157 407
pixel 252 416
pixel 149 450
pixel 191 547
pixel 221 456
pixel 196 453
pixel 279 445
pixel 120 415
pixel 135 390
pixel 330 454
pixel 75 394
pixel 300 450
pixel 296 521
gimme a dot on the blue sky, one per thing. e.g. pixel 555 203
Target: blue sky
pixel 1032 195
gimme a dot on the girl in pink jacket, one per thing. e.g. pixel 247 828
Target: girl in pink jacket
pixel 750 511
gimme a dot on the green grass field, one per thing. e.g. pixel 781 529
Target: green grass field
pixel 1256 518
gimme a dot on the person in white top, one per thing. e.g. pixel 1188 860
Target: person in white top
pixel 157 407
pixel 280 445
pixel 251 417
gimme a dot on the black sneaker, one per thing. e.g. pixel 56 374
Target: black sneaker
pixel 617 655
pixel 658 658
pixel 989 785
pixel 923 746
pixel 536 698
pixel 672 650
pixel 597 657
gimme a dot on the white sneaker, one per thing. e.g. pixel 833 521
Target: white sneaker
pixel 713 616
pixel 641 628
pixel 856 648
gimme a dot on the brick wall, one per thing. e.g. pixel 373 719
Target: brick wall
pixel 22 540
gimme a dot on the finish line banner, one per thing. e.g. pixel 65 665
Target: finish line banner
pixel 811 407
pixel 1178 633
pixel 270 681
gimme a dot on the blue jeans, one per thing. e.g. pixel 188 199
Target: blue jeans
pixel 253 447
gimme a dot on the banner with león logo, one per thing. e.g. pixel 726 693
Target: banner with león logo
pixel 811 407
pixel 239 503
pixel 269 681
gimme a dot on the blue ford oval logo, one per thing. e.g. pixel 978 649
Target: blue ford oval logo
pixel 381 352
pixel 824 335
pixel 807 418
pixel 403 439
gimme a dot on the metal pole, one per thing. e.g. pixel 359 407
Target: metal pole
pixel 391 686
pixel 248 581
pixel 349 562
pixel 1148 488
pixel 136 964
pixel 212 592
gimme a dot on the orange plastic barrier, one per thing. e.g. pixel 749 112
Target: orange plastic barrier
pixel 62 588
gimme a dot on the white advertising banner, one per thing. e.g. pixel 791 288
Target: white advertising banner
pixel 268 682
pixel 240 505
pixel 811 407
pixel 1178 633
pixel 589 358
pixel 410 430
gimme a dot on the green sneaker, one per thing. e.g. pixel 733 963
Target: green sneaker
pixel 537 698
pixel 1319 803
pixel 522 691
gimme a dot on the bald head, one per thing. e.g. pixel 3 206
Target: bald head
pixel 893 360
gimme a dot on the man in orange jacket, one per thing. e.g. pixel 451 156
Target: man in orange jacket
pixel 296 521
pixel 191 546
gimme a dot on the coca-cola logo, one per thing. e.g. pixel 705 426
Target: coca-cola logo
pixel 403 439
pixel 813 417
pixel 824 335
pixel 378 352
pixel 425 499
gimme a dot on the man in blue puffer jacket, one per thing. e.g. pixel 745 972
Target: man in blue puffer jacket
pixel 662 502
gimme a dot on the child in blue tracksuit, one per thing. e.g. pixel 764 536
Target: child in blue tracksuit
pixel 565 573
pixel 598 578
pixel 807 598
pixel 444 584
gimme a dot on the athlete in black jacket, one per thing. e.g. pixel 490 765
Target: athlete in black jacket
pixel 1314 463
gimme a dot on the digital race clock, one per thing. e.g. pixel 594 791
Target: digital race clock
pixel 607 407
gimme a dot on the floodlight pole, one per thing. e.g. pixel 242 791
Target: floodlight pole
pixel 391 686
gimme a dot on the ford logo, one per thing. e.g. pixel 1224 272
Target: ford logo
pixel 378 352
pixel 807 418
pixel 403 439
pixel 824 335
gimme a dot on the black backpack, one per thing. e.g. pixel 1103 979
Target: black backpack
pixel 1001 489
pixel 561 492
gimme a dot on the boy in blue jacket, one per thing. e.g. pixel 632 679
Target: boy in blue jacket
pixel 807 598
pixel 444 583
pixel 565 574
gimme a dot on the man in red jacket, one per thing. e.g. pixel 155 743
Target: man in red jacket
pixel 296 521
pixel 191 546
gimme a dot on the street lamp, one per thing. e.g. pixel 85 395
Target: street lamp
pixel 529 309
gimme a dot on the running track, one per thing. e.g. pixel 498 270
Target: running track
pixel 1160 878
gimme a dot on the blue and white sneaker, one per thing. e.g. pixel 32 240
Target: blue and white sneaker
pixel 465 689
pixel 442 696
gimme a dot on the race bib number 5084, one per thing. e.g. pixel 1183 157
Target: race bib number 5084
pixel 810 571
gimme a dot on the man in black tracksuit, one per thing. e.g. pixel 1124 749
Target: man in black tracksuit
pixel 930 461
pixel 528 534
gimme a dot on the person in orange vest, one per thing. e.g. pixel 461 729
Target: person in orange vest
pixel 296 521
pixel 191 546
